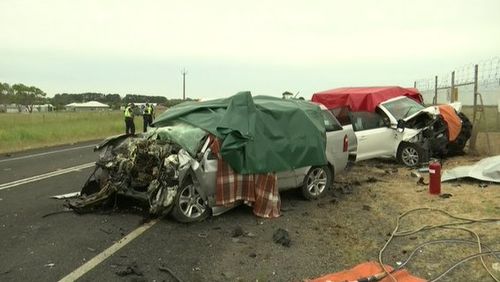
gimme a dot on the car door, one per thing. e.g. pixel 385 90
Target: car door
pixel 375 138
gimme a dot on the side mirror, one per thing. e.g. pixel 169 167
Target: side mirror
pixel 401 125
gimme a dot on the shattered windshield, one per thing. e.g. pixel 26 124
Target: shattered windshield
pixel 187 136
pixel 403 108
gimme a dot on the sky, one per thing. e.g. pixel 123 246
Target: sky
pixel 266 47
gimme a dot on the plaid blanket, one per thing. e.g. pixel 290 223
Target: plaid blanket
pixel 259 191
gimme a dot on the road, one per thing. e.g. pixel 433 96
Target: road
pixel 40 241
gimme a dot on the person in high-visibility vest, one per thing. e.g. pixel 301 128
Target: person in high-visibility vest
pixel 129 119
pixel 147 116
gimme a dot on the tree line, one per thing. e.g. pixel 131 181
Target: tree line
pixel 28 96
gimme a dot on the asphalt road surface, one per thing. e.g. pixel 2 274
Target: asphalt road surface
pixel 40 240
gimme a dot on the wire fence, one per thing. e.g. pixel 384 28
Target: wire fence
pixel 477 87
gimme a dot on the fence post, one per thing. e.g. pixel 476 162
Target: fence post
pixel 452 90
pixel 435 90
pixel 475 129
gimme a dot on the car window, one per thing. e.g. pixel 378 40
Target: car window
pixel 342 115
pixel 331 123
pixel 366 120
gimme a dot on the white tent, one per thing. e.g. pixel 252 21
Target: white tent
pixel 87 106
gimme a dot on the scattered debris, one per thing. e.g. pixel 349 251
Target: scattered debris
pixel 282 237
pixel 56 212
pixel 391 171
pixel 422 182
pixel 250 234
pixel 415 174
pixel 202 235
pixel 164 268
pixel 346 189
pixel 105 231
pixel 423 169
pixel 130 270
pixel 237 232
pixel 66 196
pixel 50 265
pixel 446 195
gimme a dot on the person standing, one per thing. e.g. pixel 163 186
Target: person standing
pixel 147 116
pixel 129 119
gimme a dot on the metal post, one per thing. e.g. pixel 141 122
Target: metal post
pixel 434 101
pixel 475 129
pixel 452 98
pixel 415 84
pixel 184 84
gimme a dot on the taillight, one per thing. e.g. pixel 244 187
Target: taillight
pixel 346 143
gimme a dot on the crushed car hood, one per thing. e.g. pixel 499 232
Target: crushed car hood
pixel 258 134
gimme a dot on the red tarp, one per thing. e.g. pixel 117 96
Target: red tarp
pixel 363 99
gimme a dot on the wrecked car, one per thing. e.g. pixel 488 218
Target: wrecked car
pixel 190 163
pixel 392 122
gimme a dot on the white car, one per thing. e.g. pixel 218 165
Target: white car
pixel 403 129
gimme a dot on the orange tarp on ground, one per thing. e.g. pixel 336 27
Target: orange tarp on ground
pixel 452 120
pixel 367 269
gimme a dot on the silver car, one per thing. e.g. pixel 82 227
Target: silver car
pixel 169 179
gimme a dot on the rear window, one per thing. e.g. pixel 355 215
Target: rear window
pixel 331 123
pixel 342 115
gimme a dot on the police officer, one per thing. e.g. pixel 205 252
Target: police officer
pixel 148 116
pixel 129 119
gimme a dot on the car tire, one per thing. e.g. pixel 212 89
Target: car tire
pixel 189 206
pixel 457 146
pixel 410 154
pixel 316 182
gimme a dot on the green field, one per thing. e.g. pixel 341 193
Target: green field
pixel 21 131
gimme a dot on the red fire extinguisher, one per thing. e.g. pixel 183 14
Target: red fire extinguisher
pixel 435 178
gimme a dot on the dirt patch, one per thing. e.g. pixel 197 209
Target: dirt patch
pixel 350 227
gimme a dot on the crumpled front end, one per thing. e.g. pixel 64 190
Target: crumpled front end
pixel 148 170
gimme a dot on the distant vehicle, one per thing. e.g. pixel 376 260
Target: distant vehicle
pixel 399 126
pixel 174 167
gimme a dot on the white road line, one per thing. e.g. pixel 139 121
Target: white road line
pixel 45 175
pixel 47 153
pixel 79 272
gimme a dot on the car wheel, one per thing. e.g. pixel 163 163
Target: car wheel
pixel 316 182
pixel 189 206
pixel 410 154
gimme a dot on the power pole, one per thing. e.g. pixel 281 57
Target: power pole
pixel 184 84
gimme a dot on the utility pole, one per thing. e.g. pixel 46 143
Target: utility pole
pixel 184 84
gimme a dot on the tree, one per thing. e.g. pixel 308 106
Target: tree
pixel 27 96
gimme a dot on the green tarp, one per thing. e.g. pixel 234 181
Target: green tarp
pixel 258 134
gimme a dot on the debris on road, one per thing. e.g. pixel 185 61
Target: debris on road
pixel 282 237
pixel 422 182
pixel 445 195
pixel 237 232
pixel 66 196
pixel 130 270
pixel 50 265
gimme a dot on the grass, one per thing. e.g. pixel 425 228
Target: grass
pixel 26 131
